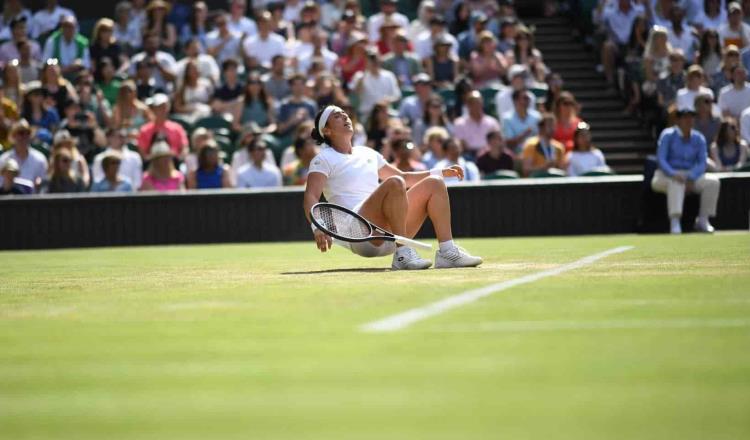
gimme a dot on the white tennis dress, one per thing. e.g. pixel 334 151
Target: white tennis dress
pixel 352 178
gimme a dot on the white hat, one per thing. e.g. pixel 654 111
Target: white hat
pixel 157 100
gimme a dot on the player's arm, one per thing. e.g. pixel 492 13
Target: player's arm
pixel 315 184
pixel 413 177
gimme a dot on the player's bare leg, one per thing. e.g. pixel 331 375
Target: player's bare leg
pixel 429 198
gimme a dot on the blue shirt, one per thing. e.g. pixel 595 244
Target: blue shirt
pixel 104 186
pixel 677 154
pixel 514 126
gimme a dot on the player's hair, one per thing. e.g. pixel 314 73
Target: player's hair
pixel 315 134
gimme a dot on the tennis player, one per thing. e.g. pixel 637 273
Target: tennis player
pixel 348 176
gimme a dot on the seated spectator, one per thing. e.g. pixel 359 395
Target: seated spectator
pixel 735 31
pixel 12 9
pixel 162 129
pixel 112 181
pixel 681 36
pixel 327 91
pixel 425 12
pixel 83 127
pixel 275 82
pixel 486 64
pixel 260 49
pixel 520 123
pixel 426 42
pixel 61 178
pixel 157 23
pixel 227 96
pixel 255 106
pixel 193 94
pixel 222 43
pixel 161 174
pixel 160 65
pixel 554 88
pixel 693 87
pixel 28 67
pixel 104 44
pixel 443 65
pixel 197 26
pixel 724 76
pixel 258 173
pixel 374 84
pixel 388 11
pixel 11 84
pixel 128 111
pixel 735 98
pixel 280 25
pixel 239 22
pixel 64 140
pixel 656 54
pixel 10 50
pixel 729 152
pixel 469 39
pixel 672 81
pixel 682 155
pixel 433 146
pixel 295 109
pixel 211 172
pixel 403 152
pixel 70 48
pixel 472 129
pixel 709 55
pixel 319 51
pixel 57 90
pixel 93 100
pixel 517 75
pixel 566 113
pixel 403 63
pixel 526 54
pixel 32 164
pixel 618 23
pixel 198 139
pixel 206 64
pixel 11 183
pixel 295 173
pixel 705 121
pixel 130 165
pixel 106 81
pixel 378 122
pixel 433 115
pixel 43 118
pixel 46 20
pixel 250 133
pixel 711 17
pixel 496 157
pixel 507 33
pixel 452 150
pixel 412 107
pixel 542 153
pixel 584 157
pixel 126 30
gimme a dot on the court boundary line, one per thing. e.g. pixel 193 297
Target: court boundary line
pixel 403 320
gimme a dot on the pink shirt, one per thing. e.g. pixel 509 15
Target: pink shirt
pixel 474 133
pixel 174 183
pixel 173 132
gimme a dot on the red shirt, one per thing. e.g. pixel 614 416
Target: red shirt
pixel 173 133
pixel 564 133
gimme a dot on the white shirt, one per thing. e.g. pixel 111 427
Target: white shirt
pixel 5 33
pixel 207 68
pixel 231 48
pixel 375 88
pixel 131 166
pixel 745 125
pixel 250 176
pixel 264 50
pixel 34 166
pixel 352 178
pixel 581 162
pixel 734 101
pixel 620 24
pixel 423 46
pixel 374 23
pixel 163 58
pixel 726 33
pixel 131 35
pixel 504 100
pixel 292 12
pixel 712 23
pixel 686 97
pixel 243 26
pixel 685 41
pixel 44 21
pixel 305 60
pixel 68 52
pixel 242 157
pixel 471 172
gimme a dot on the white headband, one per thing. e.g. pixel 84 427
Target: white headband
pixel 324 118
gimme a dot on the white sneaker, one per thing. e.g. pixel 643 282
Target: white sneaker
pixel 704 226
pixel 675 227
pixel 455 257
pixel 407 258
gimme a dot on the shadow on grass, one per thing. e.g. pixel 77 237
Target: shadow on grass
pixel 358 270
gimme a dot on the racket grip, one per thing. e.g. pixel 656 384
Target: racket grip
pixel 409 242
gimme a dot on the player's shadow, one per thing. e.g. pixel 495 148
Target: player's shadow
pixel 356 270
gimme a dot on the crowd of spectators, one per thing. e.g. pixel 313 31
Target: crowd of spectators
pixel 672 56
pixel 166 95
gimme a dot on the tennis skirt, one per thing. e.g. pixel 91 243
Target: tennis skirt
pixel 366 248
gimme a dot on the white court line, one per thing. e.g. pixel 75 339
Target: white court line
pixel 623 324
pixel 409 317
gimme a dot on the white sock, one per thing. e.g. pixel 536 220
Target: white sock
pixel 702 220
pixel 445 245
pixel 675 222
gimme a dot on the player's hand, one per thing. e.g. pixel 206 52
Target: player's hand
pixel 323 241
pixel 454 171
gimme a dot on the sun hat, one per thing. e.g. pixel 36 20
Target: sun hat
pixel 160 149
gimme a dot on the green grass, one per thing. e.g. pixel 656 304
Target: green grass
pixel 261 342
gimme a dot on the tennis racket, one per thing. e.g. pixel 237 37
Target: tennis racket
pixel 346 225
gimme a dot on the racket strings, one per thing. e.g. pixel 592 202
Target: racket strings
pixel 341 222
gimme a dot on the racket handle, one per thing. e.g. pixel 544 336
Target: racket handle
pixel 409 242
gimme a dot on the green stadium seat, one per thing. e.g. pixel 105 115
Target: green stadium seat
pixel 600 171
pixel 213 123
pixel 552 172
pixel 183 122
pixel 225 144
pixel 502 175
pixel 488 99
pixel 744 169
pixel 41 147
pixel 449 97
pixel 539 92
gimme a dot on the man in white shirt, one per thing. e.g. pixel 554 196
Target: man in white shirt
pixel 207 67
pixel 161 64
pixel 518 75
pixel 374 84
pixel 387 10
pixel 9 50
pixel 260 49
pixel 319 51
pixel 293 10
pixel 131 165
pixel 618 22
pixel 258 173
pixel 735 31
pixel 424 45
pixel 693 87
pixel 237 21
pixel 735 98
pixel 682 36
pixel 47 19
pixel 223 43
pixel 70 48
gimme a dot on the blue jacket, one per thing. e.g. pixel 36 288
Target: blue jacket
pixel 676 154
